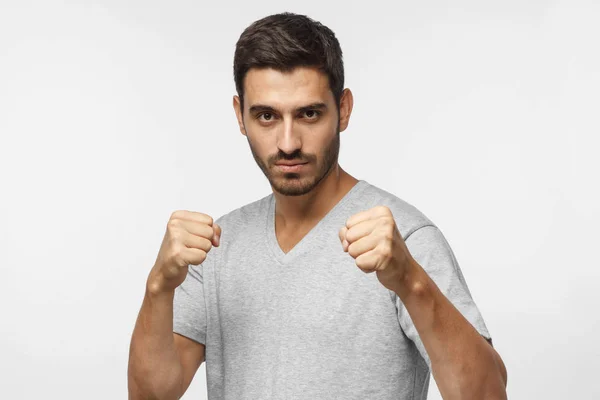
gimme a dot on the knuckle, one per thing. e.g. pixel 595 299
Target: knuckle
pixel 174 237
pixel 177 261
pixel 172 224
pixel 350 236
pixel 178 258
pixel 176 250
pixel 176 214
pixel 351 250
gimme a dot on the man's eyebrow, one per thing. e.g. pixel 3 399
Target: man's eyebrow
pixel 260 107
pixel 265 108
pixel 313 106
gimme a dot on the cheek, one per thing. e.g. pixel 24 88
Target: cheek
pixel 320 136
pixel 264 149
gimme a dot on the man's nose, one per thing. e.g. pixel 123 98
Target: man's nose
pixel 288 140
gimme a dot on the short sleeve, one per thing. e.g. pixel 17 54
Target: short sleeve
pixel 430 249
pixel 189 305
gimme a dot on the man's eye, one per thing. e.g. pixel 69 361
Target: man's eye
pixel 265 116
pixel 312 114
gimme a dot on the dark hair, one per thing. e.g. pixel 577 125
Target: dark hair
pixel 286 41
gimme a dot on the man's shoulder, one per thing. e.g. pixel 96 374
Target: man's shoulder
pixel 407 216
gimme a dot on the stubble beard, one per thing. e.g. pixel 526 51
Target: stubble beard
pixel 297 184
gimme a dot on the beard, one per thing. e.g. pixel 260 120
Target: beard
pixel 299 183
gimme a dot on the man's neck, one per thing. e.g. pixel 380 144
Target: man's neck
pixel 297 211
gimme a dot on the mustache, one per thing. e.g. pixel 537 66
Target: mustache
pixel 295 156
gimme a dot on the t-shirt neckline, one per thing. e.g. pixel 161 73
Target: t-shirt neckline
pixel 271 238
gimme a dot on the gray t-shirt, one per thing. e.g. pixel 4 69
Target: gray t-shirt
pixel 309 324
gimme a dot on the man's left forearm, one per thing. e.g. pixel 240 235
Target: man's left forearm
pixel 463 364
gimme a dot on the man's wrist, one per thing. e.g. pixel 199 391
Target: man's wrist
pixel 413 283
pixel 155 287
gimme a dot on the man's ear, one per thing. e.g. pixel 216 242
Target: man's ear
pixel 346 104
pixel 238 114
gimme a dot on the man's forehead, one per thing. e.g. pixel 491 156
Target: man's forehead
pixel 296 88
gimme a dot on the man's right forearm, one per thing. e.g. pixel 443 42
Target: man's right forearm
pixel 154 370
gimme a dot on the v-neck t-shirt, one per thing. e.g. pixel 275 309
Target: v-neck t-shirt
pixel 309 324
pixel 308 240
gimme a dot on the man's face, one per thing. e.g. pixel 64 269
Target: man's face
pixel 290 117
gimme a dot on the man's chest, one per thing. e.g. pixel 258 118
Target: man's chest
pixel 320 298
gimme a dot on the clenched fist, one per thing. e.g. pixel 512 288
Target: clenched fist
pixel 189 237
pixel 372 238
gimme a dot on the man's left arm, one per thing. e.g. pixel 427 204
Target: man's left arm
pixel 464 365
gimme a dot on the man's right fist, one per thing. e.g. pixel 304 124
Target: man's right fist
pixel 189 237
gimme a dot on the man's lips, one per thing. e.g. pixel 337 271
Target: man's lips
pixel 289 167
pixel 290 163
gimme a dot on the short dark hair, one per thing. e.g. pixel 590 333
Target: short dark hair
pixel 286 41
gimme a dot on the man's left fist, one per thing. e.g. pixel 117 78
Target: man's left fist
pixel 372 238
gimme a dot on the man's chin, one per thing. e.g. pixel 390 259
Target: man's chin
pixel 291 186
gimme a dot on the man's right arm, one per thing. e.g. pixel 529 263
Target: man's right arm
pixel 162 364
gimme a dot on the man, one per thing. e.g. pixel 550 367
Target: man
pixel 328 288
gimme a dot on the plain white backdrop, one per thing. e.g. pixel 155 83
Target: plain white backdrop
pixel 113 114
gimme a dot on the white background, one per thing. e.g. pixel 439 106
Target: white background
pixel 113 114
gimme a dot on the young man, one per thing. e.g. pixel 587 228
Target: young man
pixel 328 288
